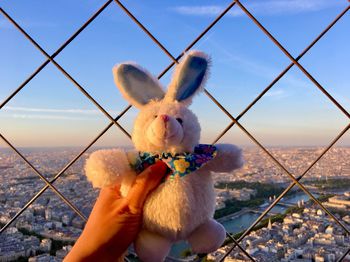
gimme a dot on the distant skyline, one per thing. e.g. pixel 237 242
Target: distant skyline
pixel 51 111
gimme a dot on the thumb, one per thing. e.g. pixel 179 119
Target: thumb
pixel 145 182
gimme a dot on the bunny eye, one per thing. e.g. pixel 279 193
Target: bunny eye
pixel 179 120
pixel 155 116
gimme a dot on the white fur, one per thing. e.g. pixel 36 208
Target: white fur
pixel 152 247
pixel 207 237
pixel 172 88
pixel 178 209
pixel 179 206
pixel 146 123
pixel 228 158
pixel 151 87
pixel 107 167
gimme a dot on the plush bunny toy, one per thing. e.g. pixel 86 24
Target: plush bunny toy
pixel 182 207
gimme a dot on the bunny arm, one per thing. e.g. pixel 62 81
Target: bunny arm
pixel 108 167
pixel 229 157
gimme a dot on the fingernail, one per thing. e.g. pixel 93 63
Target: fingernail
pixel 158 168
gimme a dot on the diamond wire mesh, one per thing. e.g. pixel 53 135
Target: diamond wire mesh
pixel 175 60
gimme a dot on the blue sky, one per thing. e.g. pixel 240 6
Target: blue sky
pixel 51 111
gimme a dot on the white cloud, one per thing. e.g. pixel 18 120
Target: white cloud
pixel 51 110
pixel 272 7
pixel 199 10
pixel 53 113
pixel 276 93
pixel 46 117
pixel 55 110
pixel 253 66
pixel 5 24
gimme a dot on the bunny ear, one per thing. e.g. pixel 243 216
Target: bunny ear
pixel 136 84
pixel 189 77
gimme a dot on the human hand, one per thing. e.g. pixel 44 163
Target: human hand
pixel 115 221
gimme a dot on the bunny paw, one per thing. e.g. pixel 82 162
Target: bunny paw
pixel 107 167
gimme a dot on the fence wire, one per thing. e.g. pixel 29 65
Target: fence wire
pixel 174 60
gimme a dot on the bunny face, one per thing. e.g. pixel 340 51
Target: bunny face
pixel 164 123
pixel 166 127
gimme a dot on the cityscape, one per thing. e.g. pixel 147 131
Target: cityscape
pixel 280 65
pixel 294 230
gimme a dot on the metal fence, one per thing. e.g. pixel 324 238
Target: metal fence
pixel 174 60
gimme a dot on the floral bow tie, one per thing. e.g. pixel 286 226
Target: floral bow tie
pixel 178 164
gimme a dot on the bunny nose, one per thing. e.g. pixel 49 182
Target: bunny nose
pixel 165 118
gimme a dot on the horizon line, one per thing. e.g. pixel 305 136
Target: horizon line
pixel 128 146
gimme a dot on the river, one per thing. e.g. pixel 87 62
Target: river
pixel 239 223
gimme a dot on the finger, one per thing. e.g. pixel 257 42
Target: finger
pixel 145 182
pixel 113 191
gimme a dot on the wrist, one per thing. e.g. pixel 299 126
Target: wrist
pixel 84 251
